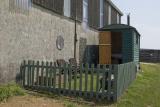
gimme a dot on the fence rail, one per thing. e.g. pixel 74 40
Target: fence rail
pixel 100 82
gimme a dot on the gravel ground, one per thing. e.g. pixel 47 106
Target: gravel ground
pixel 31 101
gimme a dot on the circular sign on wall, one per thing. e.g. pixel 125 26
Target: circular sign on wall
pixel 60 43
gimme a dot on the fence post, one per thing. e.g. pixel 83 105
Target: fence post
pixel 115 84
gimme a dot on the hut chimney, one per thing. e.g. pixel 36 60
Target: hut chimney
pixel 128 19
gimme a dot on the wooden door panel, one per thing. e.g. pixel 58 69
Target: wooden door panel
pixel 105 48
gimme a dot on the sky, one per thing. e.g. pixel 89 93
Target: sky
pixel 145 16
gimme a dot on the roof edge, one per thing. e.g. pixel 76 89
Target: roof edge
pixel 114 6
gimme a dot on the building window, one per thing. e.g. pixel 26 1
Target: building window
pixel 19 6
pixel 101 13
pixel 67 8
pixel 109 15
pixel 85 11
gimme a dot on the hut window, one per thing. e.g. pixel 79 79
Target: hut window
pixel 67 8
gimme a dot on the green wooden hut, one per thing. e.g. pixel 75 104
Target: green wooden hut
pixel 123 46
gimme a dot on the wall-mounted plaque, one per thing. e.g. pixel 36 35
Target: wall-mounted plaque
pixel 60 43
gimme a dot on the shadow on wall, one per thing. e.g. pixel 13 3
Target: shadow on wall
pixel 18 78
pixel 91 54
pixel 9 73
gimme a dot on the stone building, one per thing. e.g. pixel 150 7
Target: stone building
pixel 45 30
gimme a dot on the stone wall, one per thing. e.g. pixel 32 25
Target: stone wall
pixel 33 36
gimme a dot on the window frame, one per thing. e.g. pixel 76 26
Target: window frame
pixel 85 11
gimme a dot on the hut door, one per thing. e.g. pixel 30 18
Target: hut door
pixel 105 48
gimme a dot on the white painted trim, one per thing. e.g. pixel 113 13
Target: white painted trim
pixel 109 14
pixel 118 18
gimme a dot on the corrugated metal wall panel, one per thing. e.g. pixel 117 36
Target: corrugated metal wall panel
pixel 106 12
pixel 55 5
pixel 58 6
pixel 78 7
pixel 94 13
pixel 113 16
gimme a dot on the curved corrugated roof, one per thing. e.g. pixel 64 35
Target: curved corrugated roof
pixel 117 27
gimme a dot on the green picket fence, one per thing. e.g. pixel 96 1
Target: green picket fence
pixel 89 81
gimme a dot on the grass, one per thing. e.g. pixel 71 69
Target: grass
pixel 83 83
pixel 145 90
pixel 9 90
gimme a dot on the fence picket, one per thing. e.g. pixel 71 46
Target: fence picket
pixel 54 78
pixel 92 81
pixel 28 74
pixel 103 80
pixel 109 82
pixel 42 74
pixel 50 75
pixel 37 76
pixel 80 80
pixel 46 77
pixel 75 81
pixel 70 79
pixel 115 83
pixel 65 77
pixel 86 79
pixel 24 72
pixel 97 81
pixel 59 79
pixel 32 70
